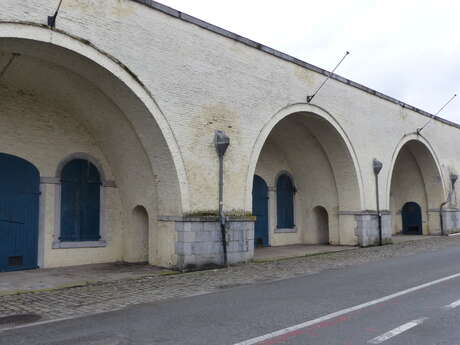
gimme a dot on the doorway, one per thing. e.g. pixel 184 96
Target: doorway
pixel 411 219
pixel 19 198
pixel 260 210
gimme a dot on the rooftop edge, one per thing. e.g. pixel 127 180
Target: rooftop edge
pixel 220 31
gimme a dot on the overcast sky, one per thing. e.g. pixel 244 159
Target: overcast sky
pixel 407 49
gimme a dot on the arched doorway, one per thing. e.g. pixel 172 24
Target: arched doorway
pixel 321 224
pixel 19 197
pixel 260 210
pixel 285 202
pixel 310 146
pixel 416 189
pixel 80 202
pixel 85 102
pixel 411 219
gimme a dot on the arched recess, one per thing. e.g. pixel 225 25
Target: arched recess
pixel 415 177
pixel 321 224
pixel 128 131
pixel 307 141
pixel 137 246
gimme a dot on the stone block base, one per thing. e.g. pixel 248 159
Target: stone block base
pixel 199 241
pixel 367 229
pixel 451 221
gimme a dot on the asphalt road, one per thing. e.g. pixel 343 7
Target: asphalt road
pixel 360 296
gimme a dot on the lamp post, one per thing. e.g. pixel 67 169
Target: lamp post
pixel 222 141
pixel 377 166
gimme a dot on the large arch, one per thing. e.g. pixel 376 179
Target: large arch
pixel 415 176
pixel 62 77
pixel 307 141
pixel 115 80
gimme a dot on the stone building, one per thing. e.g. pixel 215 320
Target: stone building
pixel 107 125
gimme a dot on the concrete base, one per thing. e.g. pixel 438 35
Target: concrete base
pixel 199 241
pixel 367 229
pixel 451 221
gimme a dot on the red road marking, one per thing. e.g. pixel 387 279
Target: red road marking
pixel 309 331
pixel 372 330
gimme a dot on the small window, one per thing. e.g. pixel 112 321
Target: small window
pixel 80 202
pixel 285 202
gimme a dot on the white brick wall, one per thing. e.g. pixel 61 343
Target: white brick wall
pixel 191 82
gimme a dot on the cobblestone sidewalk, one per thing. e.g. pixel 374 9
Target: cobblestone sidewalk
pixel 110 296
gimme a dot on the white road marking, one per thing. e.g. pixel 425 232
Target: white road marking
pixel 287 330
pixel 452 305
pixel 396 331
pixel 38 323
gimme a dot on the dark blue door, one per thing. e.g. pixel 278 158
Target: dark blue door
pixel 412 219
pixel 80 201
pixel 19 193
pixel 260 210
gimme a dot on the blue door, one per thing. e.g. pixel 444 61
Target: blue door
pixel 19 193
pixel 412 219
pixel 80 201
pixel 260 210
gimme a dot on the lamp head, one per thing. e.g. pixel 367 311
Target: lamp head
pixel 377 166
pixel 221 140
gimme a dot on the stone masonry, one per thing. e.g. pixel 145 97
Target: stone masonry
pixel 199 241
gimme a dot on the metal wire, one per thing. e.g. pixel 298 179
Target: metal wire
pixel 433 116
pixel 309 98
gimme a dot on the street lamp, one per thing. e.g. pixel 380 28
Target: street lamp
pixel 222 141
pixel 377 166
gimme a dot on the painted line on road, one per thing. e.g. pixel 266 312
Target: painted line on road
pixel 397 331
pixel 286 331
pixel 452 305
pixel 38 323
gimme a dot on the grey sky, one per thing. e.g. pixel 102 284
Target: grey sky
pixel 407 49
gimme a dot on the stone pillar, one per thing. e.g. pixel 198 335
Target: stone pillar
pixel 367 229
pixel 451 220
pixel 199 241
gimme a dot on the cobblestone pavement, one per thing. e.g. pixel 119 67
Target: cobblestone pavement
pixel 109 296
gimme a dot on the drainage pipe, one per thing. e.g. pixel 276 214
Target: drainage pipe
pixel 222 141
pixel 441 221
pixel 453 179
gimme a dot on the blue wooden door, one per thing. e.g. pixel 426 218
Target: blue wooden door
pixel 285 202
pixel 19 196
pixel 80 201
pixel 412 219
pixel 260 210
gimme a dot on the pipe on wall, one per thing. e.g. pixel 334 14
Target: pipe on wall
pixel 453 179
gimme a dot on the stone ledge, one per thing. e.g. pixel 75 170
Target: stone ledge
pixel 286 230
pixel 362 213
pixel 89 244
pixel 205 219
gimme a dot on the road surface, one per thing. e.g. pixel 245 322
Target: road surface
pixel 405 300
